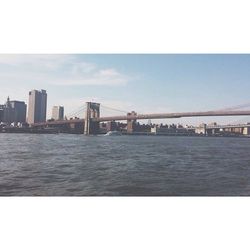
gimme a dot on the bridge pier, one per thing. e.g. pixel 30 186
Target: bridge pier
pixel 131 122
pixel 92 111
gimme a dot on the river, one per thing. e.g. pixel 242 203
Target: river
pixel 77 165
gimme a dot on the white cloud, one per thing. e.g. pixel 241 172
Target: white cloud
pixel 21 73
pixel 104 77
pixel 83 67
pixel 57 70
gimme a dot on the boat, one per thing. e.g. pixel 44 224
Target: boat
pixel 113 133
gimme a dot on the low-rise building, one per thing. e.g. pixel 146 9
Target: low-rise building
pixel 246 130
pixel 202 129
pixel 171 131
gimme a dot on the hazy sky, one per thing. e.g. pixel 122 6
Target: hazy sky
pixel 144 83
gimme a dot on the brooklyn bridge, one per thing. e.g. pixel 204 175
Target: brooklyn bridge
pixel 90 124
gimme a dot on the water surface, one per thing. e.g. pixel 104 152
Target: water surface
pixel 76 165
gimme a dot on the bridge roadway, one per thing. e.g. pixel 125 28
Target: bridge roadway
pixel 171 115
pixel 148 116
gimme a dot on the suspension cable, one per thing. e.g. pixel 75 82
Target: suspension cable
pixel 76 111
pixel 118 110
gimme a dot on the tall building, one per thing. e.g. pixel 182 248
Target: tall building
pixel 13 111
pixel 37 106
pixel 19 111
pixel 1 112
pixel 8 112
pixel 57 113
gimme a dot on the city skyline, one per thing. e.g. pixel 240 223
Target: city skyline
pixel 144 83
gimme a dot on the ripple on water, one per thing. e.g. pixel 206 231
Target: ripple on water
pixel 126 165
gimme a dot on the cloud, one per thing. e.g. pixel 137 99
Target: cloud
pixel 103 77
pixel 67 70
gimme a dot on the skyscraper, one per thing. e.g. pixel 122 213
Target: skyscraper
pixel 37 106
pixel 57 113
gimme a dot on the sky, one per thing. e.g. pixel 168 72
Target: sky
pixel 145 83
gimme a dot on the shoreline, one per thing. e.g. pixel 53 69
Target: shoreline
pixel 57 131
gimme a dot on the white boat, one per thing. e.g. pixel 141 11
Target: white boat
pixel 113 133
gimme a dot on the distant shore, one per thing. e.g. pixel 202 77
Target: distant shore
pixel 28 130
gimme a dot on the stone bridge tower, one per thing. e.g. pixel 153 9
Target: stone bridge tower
pixel 92 111
pixel 131 122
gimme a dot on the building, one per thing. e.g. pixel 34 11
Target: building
pixel 202 129
pixel 171 131
pixel 19 111
pixel 111 126
pixel 246 130
pixel 13 112
pixel 1 112
pixel 37 106
pixel 57 113
pixel 8 112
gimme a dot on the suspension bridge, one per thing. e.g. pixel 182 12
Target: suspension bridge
pixel 87 118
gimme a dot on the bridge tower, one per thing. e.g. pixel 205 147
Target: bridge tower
pixel 131 121
pixel 92 111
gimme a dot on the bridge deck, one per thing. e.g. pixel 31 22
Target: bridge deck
pixel 172 115
pixel 149 116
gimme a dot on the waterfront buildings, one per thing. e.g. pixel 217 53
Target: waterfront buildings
pixel 13 112
pixel 57 113
pixel 246 130
pixel 37 106
pixel 171 130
